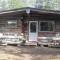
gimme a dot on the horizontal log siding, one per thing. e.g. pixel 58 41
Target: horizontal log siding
pixel 14 30
pixel 57 26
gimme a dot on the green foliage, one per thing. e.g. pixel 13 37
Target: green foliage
pixel 46 4
pixel 52 4
pixel 16 4
pixel 11 4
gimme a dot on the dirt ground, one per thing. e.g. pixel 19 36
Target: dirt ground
pixel 29 53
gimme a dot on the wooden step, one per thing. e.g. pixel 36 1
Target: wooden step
pixel 31 43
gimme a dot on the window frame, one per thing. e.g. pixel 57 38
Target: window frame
pixel 11 25
pixel 53 22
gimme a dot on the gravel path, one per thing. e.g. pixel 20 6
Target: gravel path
pixel 29 53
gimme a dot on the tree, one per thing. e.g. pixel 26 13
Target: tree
pixel 11 4
pixel 16 4
pixel 48 4
pixel 42 4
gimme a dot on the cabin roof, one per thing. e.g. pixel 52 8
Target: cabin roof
pixel 31 9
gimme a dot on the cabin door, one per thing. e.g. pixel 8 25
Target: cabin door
pixel 33 30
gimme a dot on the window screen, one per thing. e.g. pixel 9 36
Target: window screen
pixel 46 26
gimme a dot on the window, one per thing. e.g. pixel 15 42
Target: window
pixel 46 26
pixel 12 23
pixel 33 27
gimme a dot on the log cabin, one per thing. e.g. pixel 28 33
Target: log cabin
pixel 36 25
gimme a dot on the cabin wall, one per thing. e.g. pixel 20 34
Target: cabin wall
pixel 42 34
pixel 57 25
pixel 4 28
pixel 23 27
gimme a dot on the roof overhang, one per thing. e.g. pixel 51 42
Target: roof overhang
pixel 21 11
pixel 31 9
